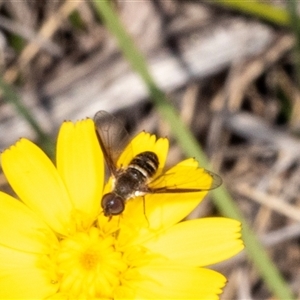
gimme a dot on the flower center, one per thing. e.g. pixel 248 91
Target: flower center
pixel 88 265
pixel 89 259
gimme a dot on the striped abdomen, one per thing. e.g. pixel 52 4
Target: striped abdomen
pixel 146 163
pixel 141 168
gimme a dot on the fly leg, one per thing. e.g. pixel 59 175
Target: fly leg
pixel 144 210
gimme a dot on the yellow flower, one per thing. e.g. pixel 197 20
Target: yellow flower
pixel 56 243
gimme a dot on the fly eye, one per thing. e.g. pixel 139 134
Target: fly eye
pixel 112 204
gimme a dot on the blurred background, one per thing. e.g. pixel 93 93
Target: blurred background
pixel 231 71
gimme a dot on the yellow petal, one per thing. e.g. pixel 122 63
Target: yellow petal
pixel 157 212
pixel 186 175
pixel 23 276
pixel 199 242
pixel 80 164
pixel 21 229
pixel 139 227
pixel 177 282
pixel 36 181
pixel 145 142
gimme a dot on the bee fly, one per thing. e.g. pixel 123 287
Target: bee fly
pixel 132 181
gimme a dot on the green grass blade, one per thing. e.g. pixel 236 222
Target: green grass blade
pixel 267 12
pixel 190 146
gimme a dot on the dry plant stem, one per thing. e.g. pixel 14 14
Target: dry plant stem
pixel 46 31
pixel 293 93
pixel 255 129
pixel 270 240
pixel 281 235
pixel 243 283
pixel 238 285
pixel 262 220
pixel 188 104
pixel 272 202
pixel 28 34
pixel 229 98
pixel 251 70
pixel 230 289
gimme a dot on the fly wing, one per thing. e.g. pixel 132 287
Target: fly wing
pixel 112 137
pixel 185 178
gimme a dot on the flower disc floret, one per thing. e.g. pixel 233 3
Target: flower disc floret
pixel 89 264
